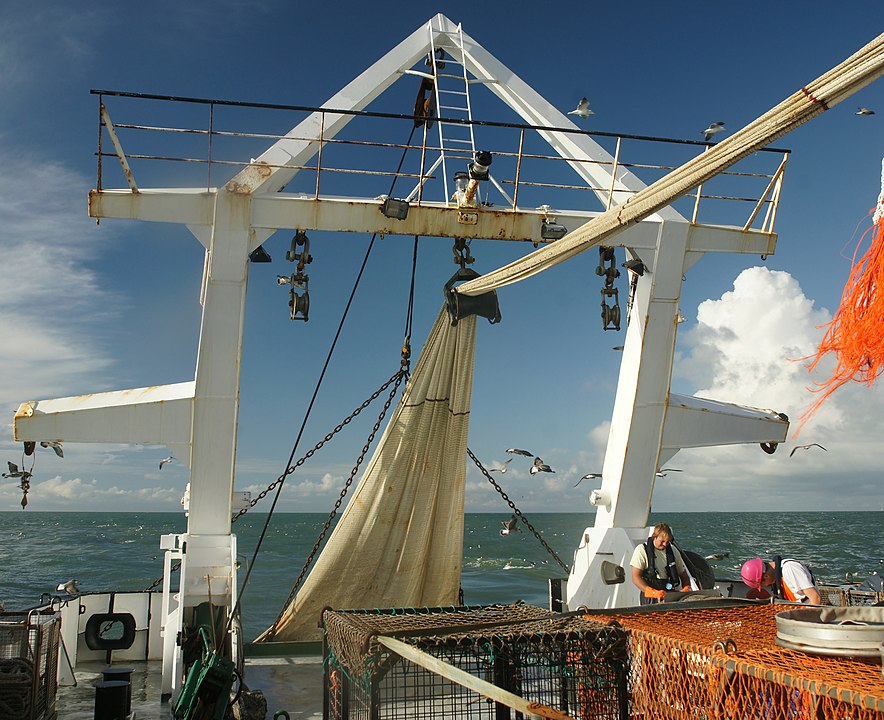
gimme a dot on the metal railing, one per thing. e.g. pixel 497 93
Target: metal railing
pixel 531 176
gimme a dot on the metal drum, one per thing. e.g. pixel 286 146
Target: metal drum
pixel 848 631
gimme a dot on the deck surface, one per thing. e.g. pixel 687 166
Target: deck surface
pixel 291 684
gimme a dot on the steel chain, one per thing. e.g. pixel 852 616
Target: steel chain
pixel 517 511
pixel 402 374
pixel 396 377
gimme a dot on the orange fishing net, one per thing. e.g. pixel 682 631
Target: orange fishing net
pixel 855 333
pixel 724 663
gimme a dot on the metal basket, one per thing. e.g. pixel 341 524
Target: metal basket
pixel 29 664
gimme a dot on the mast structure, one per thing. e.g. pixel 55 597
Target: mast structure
pixel 197 419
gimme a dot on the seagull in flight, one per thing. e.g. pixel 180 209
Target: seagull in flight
pixel 55 445
pixel 582 109
pixel 718 556
pixel 517 451
pixel 540 466
pixel 71 587
pixel 165 460
pixel 509 526
pixel 864 111
pixel 662 473
pixel 805 447
pixel 501 467
pixel 14 472
pixel 712 130
pixel 588 476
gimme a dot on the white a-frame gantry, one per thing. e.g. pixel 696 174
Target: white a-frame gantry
pixel 197 420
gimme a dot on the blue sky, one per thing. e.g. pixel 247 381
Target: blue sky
pixel 86 307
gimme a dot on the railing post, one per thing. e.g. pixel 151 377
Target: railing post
pixel 518 169
pixel 614 173
pixel 211 130
pixel 319 152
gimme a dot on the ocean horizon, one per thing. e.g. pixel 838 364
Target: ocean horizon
pixel 103 551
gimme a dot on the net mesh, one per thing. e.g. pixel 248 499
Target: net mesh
pixel 568 663
pixel 725 663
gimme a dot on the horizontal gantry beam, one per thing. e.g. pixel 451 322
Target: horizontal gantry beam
pixel 341 214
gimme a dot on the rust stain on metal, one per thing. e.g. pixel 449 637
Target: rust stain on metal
pixel 26 409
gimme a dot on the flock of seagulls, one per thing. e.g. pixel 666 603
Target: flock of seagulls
pixel 538 467
pixel 582 111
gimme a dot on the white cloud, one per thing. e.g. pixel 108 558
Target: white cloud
pixel 746 348
pixel 57 493
pixel 50 302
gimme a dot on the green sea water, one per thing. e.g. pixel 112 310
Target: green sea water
pixel 121 551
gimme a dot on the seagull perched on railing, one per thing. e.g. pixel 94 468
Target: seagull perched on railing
pixel 540 466
pixel 582 109
pixel 806 447
pixel 71 587
pixel 55 445
pixel 517 451
pixel 713 130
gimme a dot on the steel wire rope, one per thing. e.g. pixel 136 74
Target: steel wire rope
pixel 403 370
pixel 518 512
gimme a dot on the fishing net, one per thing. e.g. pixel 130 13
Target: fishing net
pixel 399 542
pixel 854 335
pixel 724 662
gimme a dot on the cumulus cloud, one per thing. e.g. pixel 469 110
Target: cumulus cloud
pixel 56 493
pixel 747 348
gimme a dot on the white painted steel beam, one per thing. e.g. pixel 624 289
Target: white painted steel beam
pixel 351 214
pixel 158 415
pixel 693 422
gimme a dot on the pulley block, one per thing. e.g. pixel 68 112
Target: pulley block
pixel 461 306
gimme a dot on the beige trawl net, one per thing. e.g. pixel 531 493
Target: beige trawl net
pixel 399 542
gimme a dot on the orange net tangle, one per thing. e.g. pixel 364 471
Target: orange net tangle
pixel 724 663
pixel 854 334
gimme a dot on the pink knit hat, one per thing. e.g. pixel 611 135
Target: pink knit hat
pixel 752 572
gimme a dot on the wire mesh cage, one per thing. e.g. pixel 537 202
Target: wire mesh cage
pixel 571 665
pixel 28 664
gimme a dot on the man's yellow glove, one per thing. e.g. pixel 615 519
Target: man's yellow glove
pixel 686 588
pixel 652 594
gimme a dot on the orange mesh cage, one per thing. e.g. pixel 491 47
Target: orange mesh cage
pixel 724 663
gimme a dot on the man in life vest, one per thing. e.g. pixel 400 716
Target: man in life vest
pixel 782 578
pixel 657 566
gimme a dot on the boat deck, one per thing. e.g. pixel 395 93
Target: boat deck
pixel 288 683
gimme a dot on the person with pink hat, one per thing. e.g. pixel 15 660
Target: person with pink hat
pixel 783 578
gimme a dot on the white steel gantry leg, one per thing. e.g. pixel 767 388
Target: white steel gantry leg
pixel 208 546
pixel 624 500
